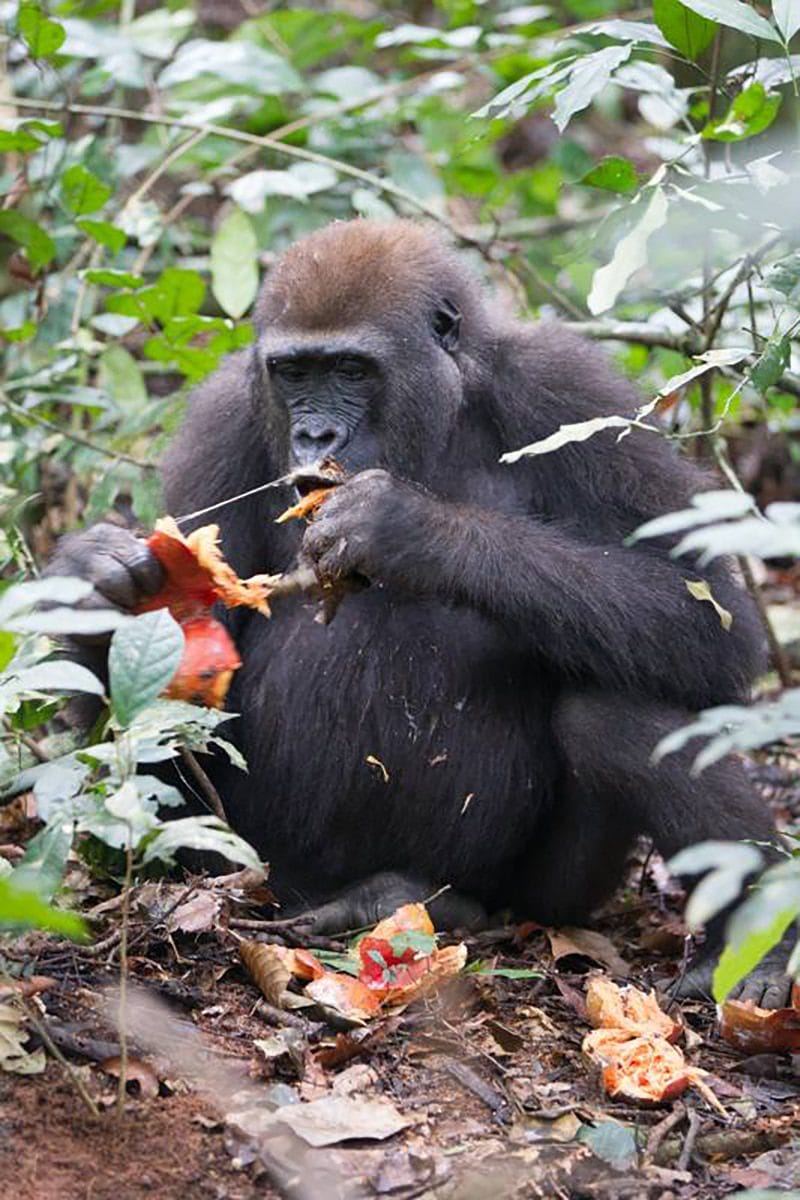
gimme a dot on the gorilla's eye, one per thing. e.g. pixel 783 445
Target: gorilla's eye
pixel 447 324
pixel 286 368
pixel 351 368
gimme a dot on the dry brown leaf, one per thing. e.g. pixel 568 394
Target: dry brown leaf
pixel 27 987
pixel 587 943
pixel 270 967
pixel 198 914
pixel 340 1118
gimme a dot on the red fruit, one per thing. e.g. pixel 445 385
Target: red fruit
pixel 206 668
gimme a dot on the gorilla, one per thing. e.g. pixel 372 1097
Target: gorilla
pixel 481 713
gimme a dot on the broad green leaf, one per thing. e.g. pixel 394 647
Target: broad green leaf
pixel 22 333
pixel 18 141
pixel 20 910
pixel 109 276
pixel 42 867
pixel 176 293
pixel 240 63
pixel 588 77
pixel 630 255
pixel 772 362
pixel 198 833
pixel 121 376
pixel 234 264
pixel 37 244
pixel 104 233
pixel 706 507
pixel 299 181
pixel 59 676
pixel 83 192
pixel 143 657
pixel 728 865
pixel 612 174
pixel 64 622
pixel 784 277
pixel 751 112
pixel 787 17
pixel 56 589
pixel 735 15
pixel 42 36
pixel 737 961
pixel 684 29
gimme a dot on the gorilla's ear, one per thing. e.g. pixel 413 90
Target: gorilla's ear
pixel 447 324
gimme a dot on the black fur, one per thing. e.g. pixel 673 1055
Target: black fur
pixel 513 663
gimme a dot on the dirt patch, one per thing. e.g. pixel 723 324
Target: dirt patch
pixel 52 1148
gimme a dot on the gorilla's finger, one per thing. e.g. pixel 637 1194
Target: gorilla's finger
pixel 148 573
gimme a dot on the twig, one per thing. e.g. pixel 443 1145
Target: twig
pixel 283 1018
pixel 123 975
pixel 662 1129
pixel 691 1137
pixel 69 1071
pixel 265 142
pixel 210 793
pixel 26 414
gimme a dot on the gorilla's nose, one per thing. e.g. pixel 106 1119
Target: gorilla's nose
pixel 315 439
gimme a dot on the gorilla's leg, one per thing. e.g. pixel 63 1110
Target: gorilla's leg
pixel 606 742
pixel 370 900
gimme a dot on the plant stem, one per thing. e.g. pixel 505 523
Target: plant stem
pixel 122 1018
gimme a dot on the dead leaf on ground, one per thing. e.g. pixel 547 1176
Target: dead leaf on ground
pixel 270 968
pixel 27 987
pixel 14 1057
pixel 197 915
pixel 344 996
pixel 572 942
pixel 341 1118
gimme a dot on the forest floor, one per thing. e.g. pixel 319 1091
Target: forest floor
pixel 484 1084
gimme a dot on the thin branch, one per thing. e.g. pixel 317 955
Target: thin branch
pixel 265 142
pixel 210 793
pixel 26 414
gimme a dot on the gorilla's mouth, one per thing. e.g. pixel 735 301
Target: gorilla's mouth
pixel 309 479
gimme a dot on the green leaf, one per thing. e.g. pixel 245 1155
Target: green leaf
pixel 198 833
pixel 55 589
pixel 143 657
pixel 42 867
pixel 234 264
pixel 83 192
pixel 19 142
pixel 735 15
pixel 771 364
pixel 612 1141
pixel 684 29
pixel 630 255
pixel 751 112
pixel 106 235
pixel 110 276
pixel 588 77
pixel 612 174
pixel 506 972
pixel 737 961
pixel 701 590
pixel 784 277
pixel 176 293
pixel 21 910
pixel 59 676
pixel 121 376
pixel 41 35
pixel 787 17
pixel 38 245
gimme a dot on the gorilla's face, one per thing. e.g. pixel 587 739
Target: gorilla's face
pixel 367 397
pixel 328 399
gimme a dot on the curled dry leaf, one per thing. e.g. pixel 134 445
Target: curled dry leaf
pixel 755 1030
pixel 571 942
pixel 609 1006
pixel 270 967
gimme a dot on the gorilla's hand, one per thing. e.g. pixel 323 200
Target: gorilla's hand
pixel 368 528
pixel 119 565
